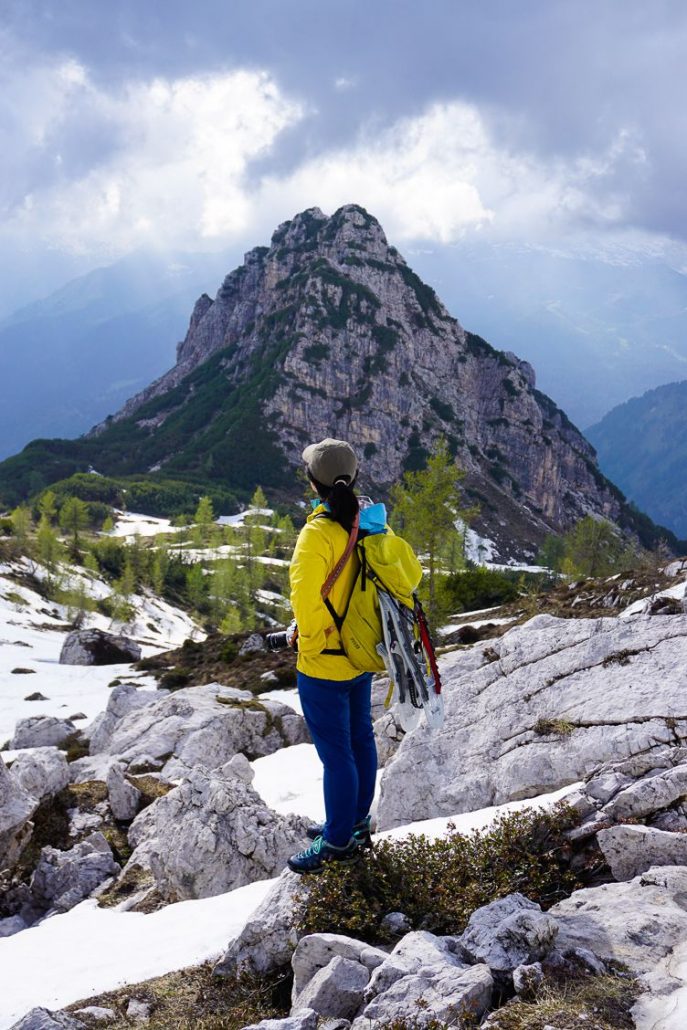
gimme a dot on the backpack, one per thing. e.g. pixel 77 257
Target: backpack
pixel 383 626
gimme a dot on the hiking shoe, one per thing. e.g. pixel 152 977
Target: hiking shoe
pixel 320 853
pixel 361 833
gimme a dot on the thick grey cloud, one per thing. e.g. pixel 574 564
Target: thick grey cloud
pixel 583 98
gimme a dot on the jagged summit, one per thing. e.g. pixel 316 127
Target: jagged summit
pixel 328 332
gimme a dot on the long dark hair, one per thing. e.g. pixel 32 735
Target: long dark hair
pixel 342 501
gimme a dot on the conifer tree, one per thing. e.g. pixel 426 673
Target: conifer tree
pixel 427 504
pixel 47 505
pixel 204 520
pixel 74 518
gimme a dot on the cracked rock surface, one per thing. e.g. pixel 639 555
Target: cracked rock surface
pixel 211 834
pixel 205 725
pixel 563 696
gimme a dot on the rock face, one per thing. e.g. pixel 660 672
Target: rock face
pixel 41 731
pixel 16 809
pixel 42 773
pixel 206 725
pixel 211 834
pixel 358 347
pixel 96 647
pixel 562 696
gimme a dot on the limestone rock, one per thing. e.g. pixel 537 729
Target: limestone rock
pixel 316 950
pixel 16 809
pixel 638 923
pixel 124 798
pixel 305 1019
pixel 64 878
pixel 42 1019
pixel 613 683
pixel 138 1010
pixel 395 924
pixel 418 952
pixel 11 925
pixel 648 795
pixel 445 995
pixel 211 834
pixel 335 990
pixel 253 644
pixel 508 932
pixel 527 978
pixel 630 850
pixel 204 725
pixel 388 735
pixel 269 938
pixel 96 647
pixel 41 731
pixel 98 1012
pixel 124 698
pixel 42 772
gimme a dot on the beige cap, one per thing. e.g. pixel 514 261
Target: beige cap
pixel 330 459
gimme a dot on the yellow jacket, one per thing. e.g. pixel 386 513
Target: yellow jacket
pixel 320 544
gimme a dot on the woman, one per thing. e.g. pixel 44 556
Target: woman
pixel 336 697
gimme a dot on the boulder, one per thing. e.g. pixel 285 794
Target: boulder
pixel 42 1019
pixel 335 990
pixel 316 950
pixel 204 725
pixel 253 644
pixel 16 809
pixel 640 924
pixel 445 995
pixel 64 878
pixel 509 932
pixel 96 647
pixel 306 1019
pixel 526 979
pixel 564 695
pixel 92 767
pixel 11 925
pixel 41 731
pixel 630 850
pixel 124 698
pixel 269 938
pixel 418 952
pixel 42 773
pixel 124 798
pixel 211 834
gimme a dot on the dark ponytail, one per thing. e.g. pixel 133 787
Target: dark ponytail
pixel 342 501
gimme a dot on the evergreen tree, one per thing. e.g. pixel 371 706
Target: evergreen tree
pixel 158 569
pixel 196 588
pixel 49 548
pixel 427 504
pixel 47 505
pixel 594 548
pixel 73 518
pixel 21 526
pixel 204 520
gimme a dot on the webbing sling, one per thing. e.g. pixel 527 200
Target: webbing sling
pixel 331 580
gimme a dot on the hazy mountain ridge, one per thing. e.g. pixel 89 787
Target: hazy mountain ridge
pixel 642 445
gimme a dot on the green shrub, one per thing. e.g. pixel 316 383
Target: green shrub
pixel 438 884
pixel 175 679
pixel 477 588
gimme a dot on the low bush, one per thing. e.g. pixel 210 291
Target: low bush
pixel 438 884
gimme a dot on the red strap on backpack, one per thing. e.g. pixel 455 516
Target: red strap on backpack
pixel 341 564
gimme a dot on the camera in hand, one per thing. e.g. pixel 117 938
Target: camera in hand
pixel 277 641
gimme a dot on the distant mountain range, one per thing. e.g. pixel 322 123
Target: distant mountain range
pixel 642 446
pixel 329 332
pixel 68 360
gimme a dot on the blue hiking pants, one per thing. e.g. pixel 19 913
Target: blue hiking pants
pixel 338 715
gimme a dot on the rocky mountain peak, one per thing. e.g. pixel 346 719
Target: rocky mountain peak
pixel 328 332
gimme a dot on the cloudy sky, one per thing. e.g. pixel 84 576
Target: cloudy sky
pixel 129 124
